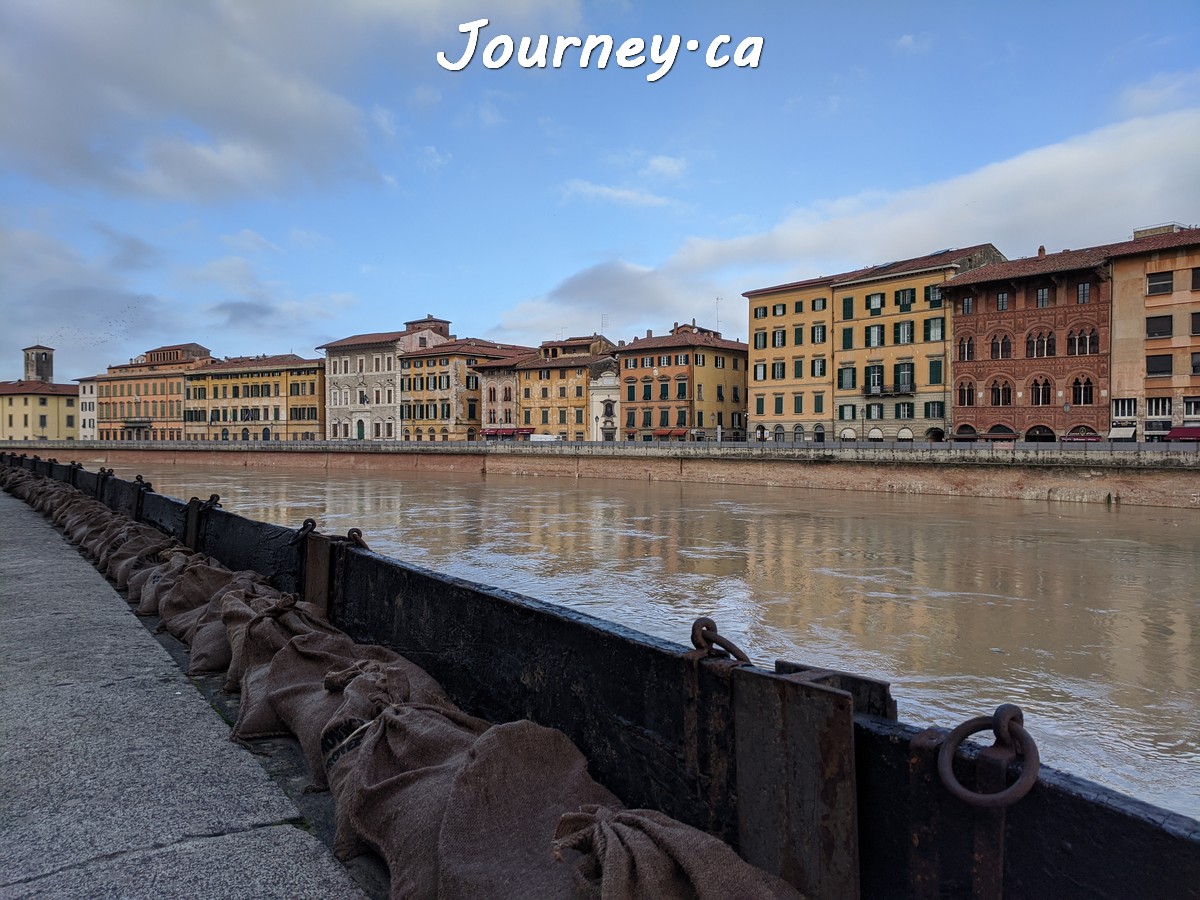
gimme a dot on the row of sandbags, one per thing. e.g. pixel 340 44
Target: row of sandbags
pixel 455 805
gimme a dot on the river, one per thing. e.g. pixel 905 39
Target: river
pixel 1086 616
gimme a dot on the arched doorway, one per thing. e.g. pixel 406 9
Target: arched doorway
pixel 1001 433
pixel 798 434
pixel 362 429
pixel 245 434
pixel 818 434
pixel 904 434
pixel 760 433
pixel 965 433
pixel 935 434
pixel 848 434
pixel 224 434
pixel 779 434
pixel 266 435
pixel 875 434
pixel 470 434
pixel 1040 433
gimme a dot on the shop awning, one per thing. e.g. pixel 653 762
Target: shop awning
pixel 1121 433
pixel 1184 433
pixel 662 432
pixel 678 432
pixel 526 430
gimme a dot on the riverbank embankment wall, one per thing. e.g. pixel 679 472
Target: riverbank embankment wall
pixel 1144 475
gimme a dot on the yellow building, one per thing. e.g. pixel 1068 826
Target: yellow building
pixel 863 355
pixel 34 408
pixel 1155 370
pixel 256 398
pixel 688 385
pixel 553 395
pixel 143 400
pixel 440 396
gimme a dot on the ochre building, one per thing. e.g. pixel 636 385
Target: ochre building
pixel 256 398
pixel 34 408
pixel 143 400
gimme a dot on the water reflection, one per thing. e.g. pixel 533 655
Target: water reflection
pixel 1084 615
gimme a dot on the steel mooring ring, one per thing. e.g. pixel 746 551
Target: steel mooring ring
pixel 355 537
pixel 705 636
pixel 307 528
pixel 1011 735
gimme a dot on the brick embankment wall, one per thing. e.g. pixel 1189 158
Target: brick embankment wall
pixel 1140 478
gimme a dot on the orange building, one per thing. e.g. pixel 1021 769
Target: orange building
pixel 143 400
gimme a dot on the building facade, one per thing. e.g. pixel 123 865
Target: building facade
pixel 143 400
pixel 1156 334
pixel 441 392
pixel 688 385
pixel 554 386
pixel 34 408
pixel 87 409
pixel 861 355
pixel 362 374
pixel 498 390
pixel 255 398
pixel 1032 341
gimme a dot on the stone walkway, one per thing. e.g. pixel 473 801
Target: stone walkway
pixel 117 779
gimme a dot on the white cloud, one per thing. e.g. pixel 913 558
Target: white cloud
pixel 664 167
pixel 306 238
pixel 1163 92
pixel 912 43
pixel 1092 189
pixel 432 159
pixel 577 187
pixel 247 241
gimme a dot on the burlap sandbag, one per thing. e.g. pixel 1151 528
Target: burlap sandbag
pixel 182 607
pixel 255 640
pixel 122 566
pixel 125 542
pixel 497 833
pixel 644 853
pixel 308 678
pixel 391 782
pixel 148 584
pixel 210 649
pixel 101 535
pixel 94 519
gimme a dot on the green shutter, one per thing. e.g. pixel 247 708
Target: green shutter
pixel 847 338
pixel 799 335
pixel 927 324
pixel 847 307
pixel 895 332
pixel 928 292
pixel 935 371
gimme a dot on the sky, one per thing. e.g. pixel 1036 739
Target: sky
pixel 265 176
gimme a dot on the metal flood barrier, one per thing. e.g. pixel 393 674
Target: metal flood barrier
pixel 806 772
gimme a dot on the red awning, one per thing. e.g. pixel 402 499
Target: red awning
pixel 678 432
pixel 662 432
pixel 526 430
pixel 1184 433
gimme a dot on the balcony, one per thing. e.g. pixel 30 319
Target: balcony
pixel 902 389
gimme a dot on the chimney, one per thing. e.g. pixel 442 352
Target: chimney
pixel 649 333
pixel 1042 252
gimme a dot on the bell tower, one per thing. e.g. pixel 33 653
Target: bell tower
pixel 39 363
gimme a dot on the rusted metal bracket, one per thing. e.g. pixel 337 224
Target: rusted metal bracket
pixel 193 522
pixel 871 696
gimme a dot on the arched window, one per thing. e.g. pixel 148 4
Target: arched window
pixel 779 434
pixel 1093 342
pixel 966 394
pixel 1082 393
pixel 798 433
pixel 508 395
pixel 491 395
pixel 1039 392
pixel 1001 393
pixel 1001 347
pixel 966 349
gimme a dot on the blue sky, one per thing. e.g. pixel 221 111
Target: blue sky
pixel 269 176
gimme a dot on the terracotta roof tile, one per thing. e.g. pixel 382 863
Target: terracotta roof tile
pixel 279 361
pixel 688 339
pixel 9 388
pixel 376 337
pixel 469 346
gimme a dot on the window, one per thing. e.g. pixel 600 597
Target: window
pixel 664 361
pixel 818 334
pixel 966 394
pixel 933 296
pixel 1039 392
pixel 1159 326
pixel 874 411
pixel 1158 407
pixel 905 374
pixel 647 390
pixel 647 418
pixel 630 419
pixel 1160 364
pixel 779 405
pixel 905 411
pixel 759 405
pixel 934 329
pixel 760 371
pixel 847 378
pixel 1039 345
pixel 700 360
pixel 1160 283
pixel 631 362
pixel 874 335
pixel 1196 363
pixel 818 368
pixel 1042 297
pixel 1082 393
pixel 904 299
pixel 681 390
pixel 664 390
pixel 873 380
pixel 1001 393
pixel 800 305
pixel 720 393
pixel 968 305
pixel 847 307
pixel 935 371
pixel 798 335
pixel 847 412
pixel 779 309
pixel 1083 292
pixel 798 368
pixel 1001 301
pixel 966 349
pixel 902 333
pixel 647 362
pixel 935 409
pixel 1083 342
pixel 681 359
pixel 680 418
pixel 1191 407
pixel 818 404
pixel 778 370
pixel 1196 322
pixel 847 338
pixel 818 304
pixel 798 404
pixel 1124 408
pixel 760 312
pixel 664 418
pixel 779 338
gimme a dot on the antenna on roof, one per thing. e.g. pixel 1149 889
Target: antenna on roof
pixel 603 322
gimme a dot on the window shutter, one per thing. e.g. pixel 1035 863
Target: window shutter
pixel 847 307
pixel 928 292
pixel 927 324
pixel 847 338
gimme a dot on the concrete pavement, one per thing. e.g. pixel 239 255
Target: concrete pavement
pixel 117 779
